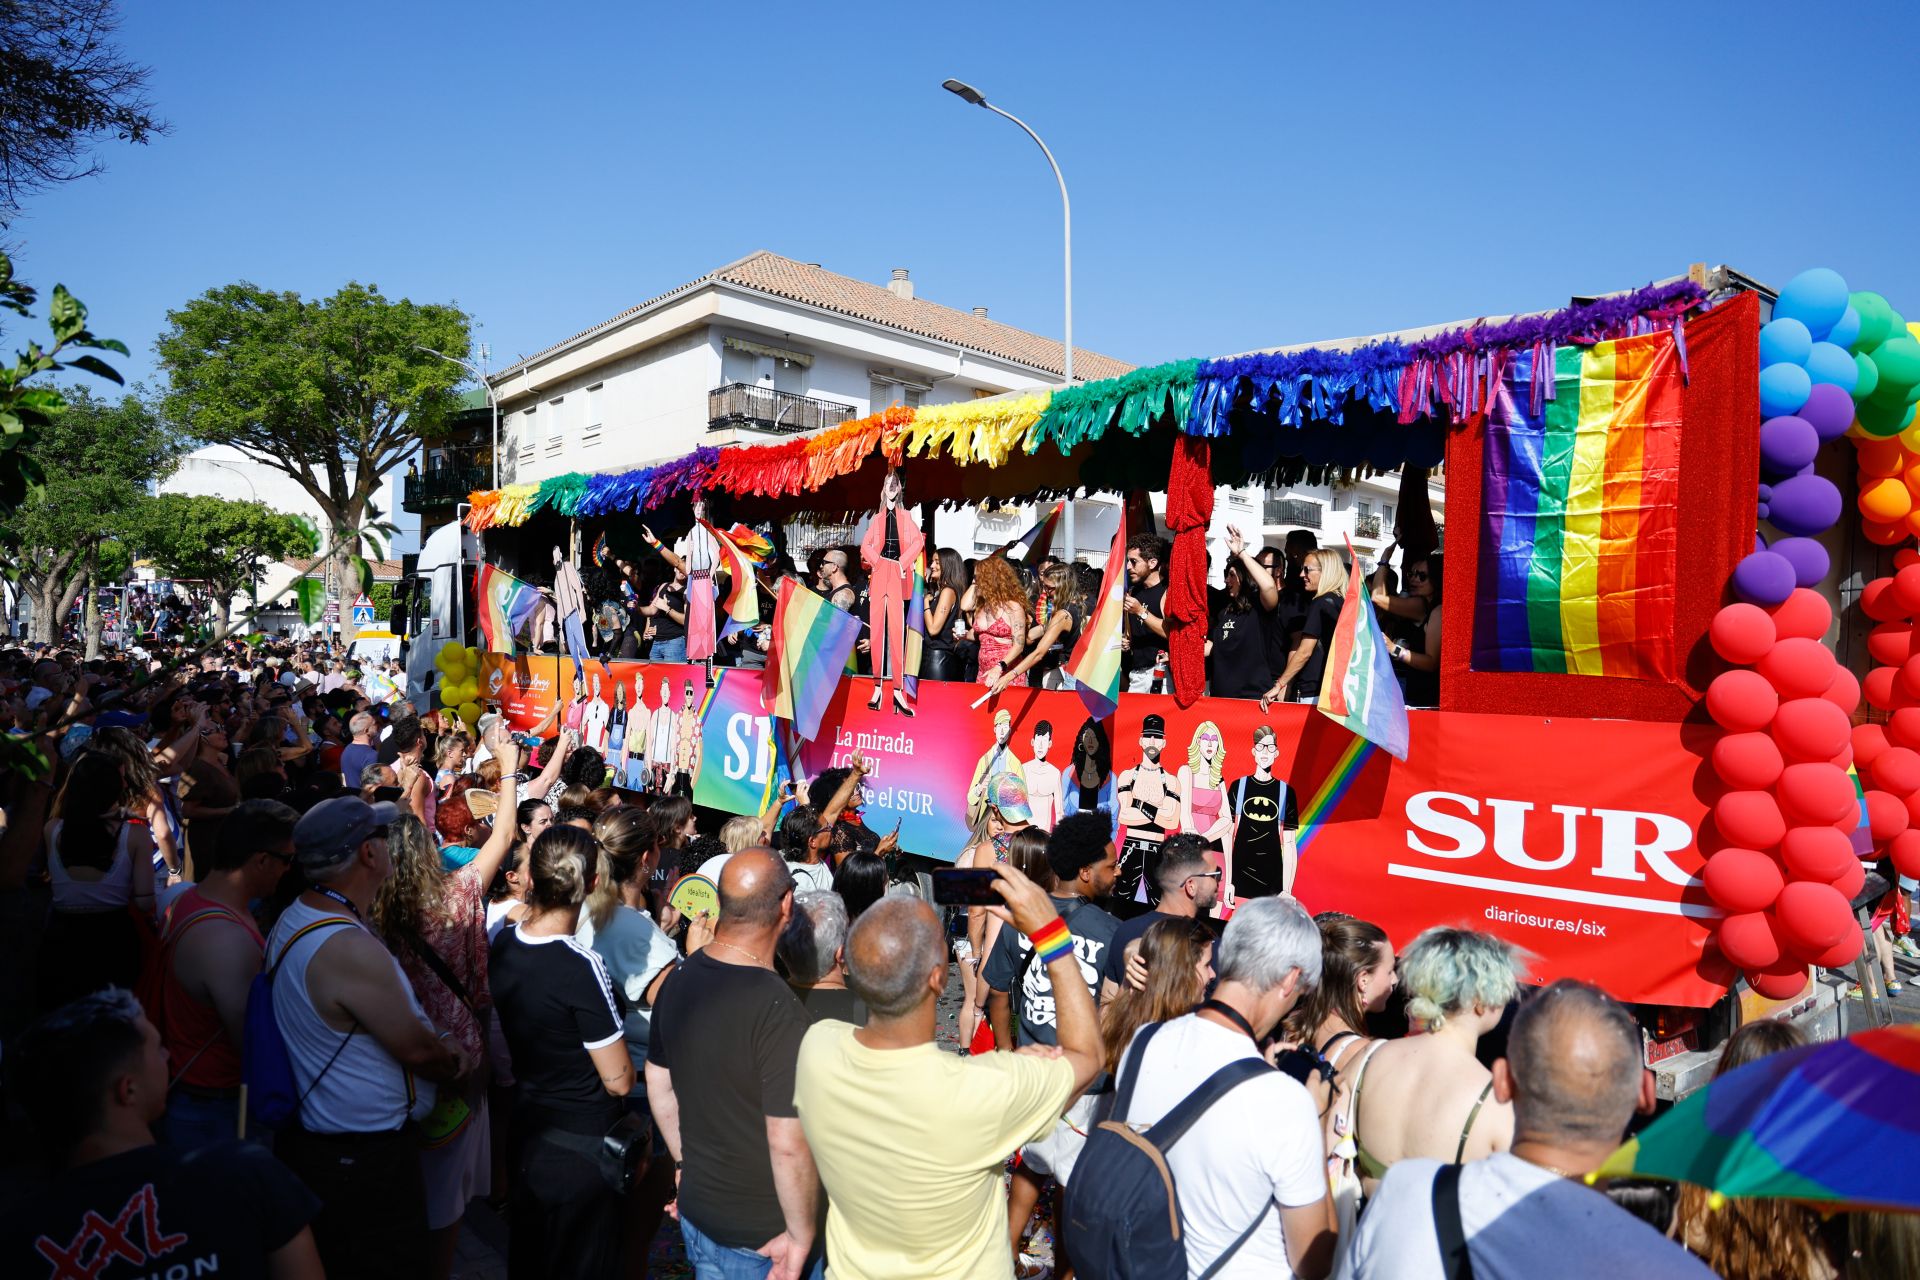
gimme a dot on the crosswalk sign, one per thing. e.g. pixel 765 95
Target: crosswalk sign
pixel 362 611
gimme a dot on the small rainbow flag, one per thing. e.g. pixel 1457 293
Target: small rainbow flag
pixel 1094 663
pixel 742 601
pixel 914 644
pixel 811 642
pixel 1037 541
pixel 1359 689
pixel 506 605
pixel 1579 537
pixel 1333 789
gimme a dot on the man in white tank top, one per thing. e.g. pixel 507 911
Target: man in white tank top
pixel 362 1050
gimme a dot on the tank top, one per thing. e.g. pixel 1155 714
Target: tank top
pixel 365 1090
pixel 197 1042
pixel 111 892
pixel 943 638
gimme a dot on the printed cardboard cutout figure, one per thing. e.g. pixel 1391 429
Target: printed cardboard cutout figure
pixel 889 550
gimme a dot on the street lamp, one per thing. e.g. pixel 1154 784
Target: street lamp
pixel 967 93
pixel 493 403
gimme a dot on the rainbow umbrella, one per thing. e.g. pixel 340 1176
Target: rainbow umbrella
pixel 1831 1124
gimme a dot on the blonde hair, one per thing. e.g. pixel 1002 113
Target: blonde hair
pixel 1449 971
pixel 740 833
pixel 1333 571
pixel 1205 772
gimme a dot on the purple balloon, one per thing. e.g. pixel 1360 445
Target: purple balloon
pixel 1787 444
pixel 1764 510
pixel 1828 410
pixel 1766 493
pixel 1759 543
pixel 1805 506
pixel 1809 560
pixel 1763 578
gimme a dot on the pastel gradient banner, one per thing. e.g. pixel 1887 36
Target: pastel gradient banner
pixel 1580 525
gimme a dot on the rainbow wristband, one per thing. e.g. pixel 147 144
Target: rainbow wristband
pixel 1052 941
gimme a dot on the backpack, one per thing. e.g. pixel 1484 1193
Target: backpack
pixel 1122 1211
pixel 273 1095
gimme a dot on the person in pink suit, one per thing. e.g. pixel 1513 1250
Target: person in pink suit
pixel 890 550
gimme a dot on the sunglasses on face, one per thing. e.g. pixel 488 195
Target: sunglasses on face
pixel 1206 875
pixel 1417 576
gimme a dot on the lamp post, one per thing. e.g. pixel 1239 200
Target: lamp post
pixel 478 375
pixel 967 93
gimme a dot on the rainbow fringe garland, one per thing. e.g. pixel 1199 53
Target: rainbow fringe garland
pixel 1452 373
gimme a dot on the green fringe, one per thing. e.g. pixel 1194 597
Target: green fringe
pixel 560 493
pixel 1133 403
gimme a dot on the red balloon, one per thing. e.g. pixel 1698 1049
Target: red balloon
pixel 1842 953
pixel 1811 729
pixel 1884 535
pixel 1714 966
pixel 1749 941
pixel 1816 853
pixel 1891 643
pixel 1805 614
pixel 1814 793
pixel 1886 816
pixel 1904 849
pixel 1798 668
pixel 1747 761
pixel 1851 880
pixel 1882 688
pixel 1903 727
pixel 1909 681
pixel 1906 589
pixel 1869 740
pixel 1749 819
pixel 1741 633
pixel 1844 692
pixel 1812 917
pixel 1878 603
pixel 1897 769
pixel 1742 880
pixel 1782 982
pixel 1842 759
pixel 1741 701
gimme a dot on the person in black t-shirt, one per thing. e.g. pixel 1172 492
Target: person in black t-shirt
pixel 1300 681
pixel 1189 879
pixel 813 947
pixel 1240 638
pixel 565 1031
pixel 1265 815
pixel 721 1056
pixel 116 1205
pixel 1146 631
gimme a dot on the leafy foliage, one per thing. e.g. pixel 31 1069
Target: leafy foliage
pixel 214 540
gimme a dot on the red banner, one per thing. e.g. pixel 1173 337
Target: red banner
pixel 1572 838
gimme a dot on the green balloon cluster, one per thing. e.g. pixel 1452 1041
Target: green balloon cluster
pixel 1888 356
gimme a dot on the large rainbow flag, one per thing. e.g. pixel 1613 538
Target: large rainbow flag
pixel 1358 689
pixel 506 605
pixel 811 643
pixel 738 548
pixel 1037 541
pixel 1579 537
pixel 1094 663
pixel 913 645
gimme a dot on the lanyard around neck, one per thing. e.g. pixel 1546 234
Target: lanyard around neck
pixel 340 898
pixel 1234 1016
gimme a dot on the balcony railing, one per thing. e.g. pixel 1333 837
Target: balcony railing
pixel 1294 511
pixel 742 404
pixel 448 479
pixel 1366 526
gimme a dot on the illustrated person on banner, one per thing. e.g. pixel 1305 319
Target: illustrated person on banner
pixel 1203 800
pixel 662 733
pixel 997 759
pixel 1043 779
pixel 570 603
pixel 892 545
pixel 1149 799
pixel 686 743
pixel 1265 814
pixel 593 720
pixel 631 764
pixel 1087 785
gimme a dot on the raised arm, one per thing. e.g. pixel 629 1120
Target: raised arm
pixel 1057 626
pixel 857 769
pixel 1077 1024
pixel 667 553
pixel 505 818
pixel 1256 572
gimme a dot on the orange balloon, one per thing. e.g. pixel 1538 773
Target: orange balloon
pixel 1912 475
pixel 1885 501
pixel 1884 535
pixel 1912 522
pixel 1881 457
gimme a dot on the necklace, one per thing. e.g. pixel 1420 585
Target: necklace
pixel 742 950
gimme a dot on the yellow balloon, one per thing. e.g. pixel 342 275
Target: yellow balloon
pixel 1911 438
pixel 470 712
pixel 472 653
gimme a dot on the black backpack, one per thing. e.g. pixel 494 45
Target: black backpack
pixel 1122 1213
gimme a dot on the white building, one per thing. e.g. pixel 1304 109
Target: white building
pixel 766 347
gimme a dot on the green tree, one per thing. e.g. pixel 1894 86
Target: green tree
pixel 98 458
pixel 215 541
pixel 333 392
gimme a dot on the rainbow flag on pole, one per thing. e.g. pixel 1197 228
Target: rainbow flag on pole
pixel 1579 537
pixel 914 644
pixel 1094 663
pixel 506 605
pixel 809 648
pixel 1358 689
pixel 1037 541
pixel 741 604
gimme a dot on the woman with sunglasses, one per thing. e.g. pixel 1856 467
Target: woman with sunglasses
pixel 1413 619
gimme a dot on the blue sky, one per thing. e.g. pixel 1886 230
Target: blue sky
pixel 1242 175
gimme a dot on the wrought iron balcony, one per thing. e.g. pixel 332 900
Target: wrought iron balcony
pixel 448 479
pixel 743 404
pixel 1294 511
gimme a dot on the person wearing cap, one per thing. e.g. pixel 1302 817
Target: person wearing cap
pixel 362 1051
pixel 1149 800
pixel 996 760
pixel 1007 812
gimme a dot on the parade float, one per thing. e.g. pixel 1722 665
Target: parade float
pixel 1660 760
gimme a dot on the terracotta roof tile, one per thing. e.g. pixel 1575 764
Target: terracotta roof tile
pixel 383 570
pixel 876 304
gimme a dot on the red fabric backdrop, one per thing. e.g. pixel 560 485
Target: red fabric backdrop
pixel 1719 476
